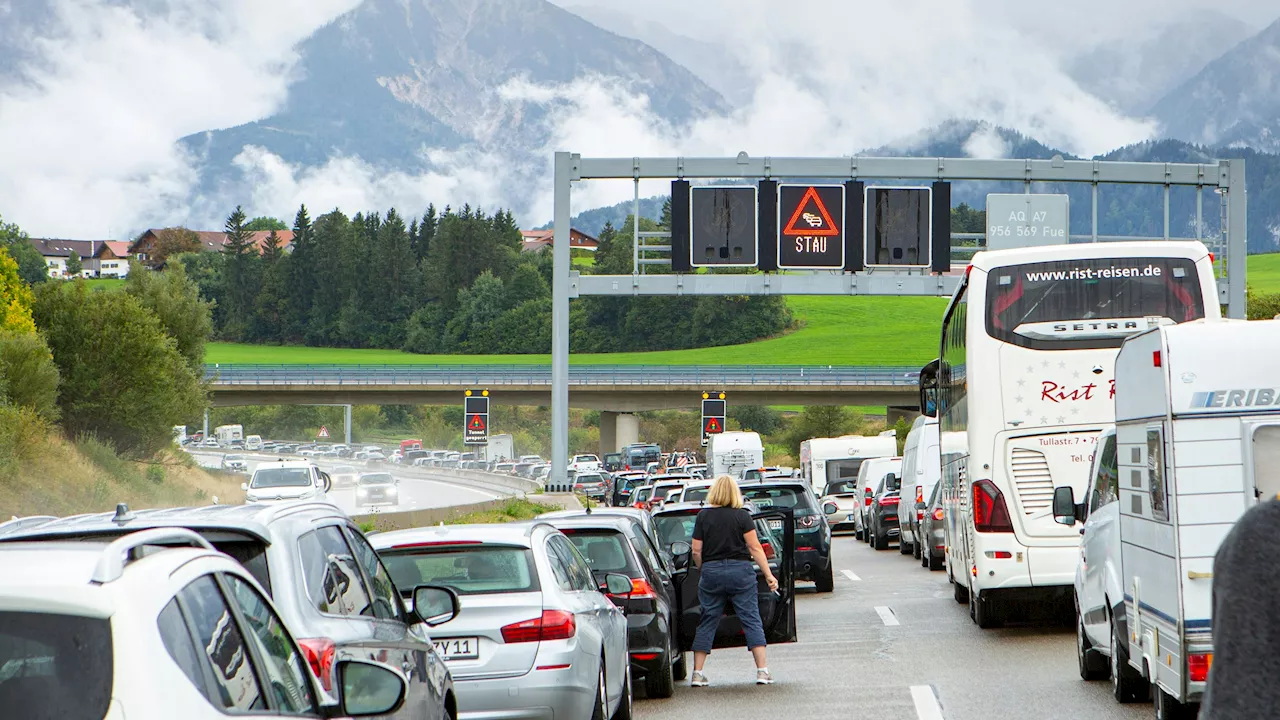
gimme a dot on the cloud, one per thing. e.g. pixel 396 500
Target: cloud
pixel 90 122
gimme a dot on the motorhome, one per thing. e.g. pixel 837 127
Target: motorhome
pixel 828 461
pixel 731 453
pixel 227 434
pixel 1196 444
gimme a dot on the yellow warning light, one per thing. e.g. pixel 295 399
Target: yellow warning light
pixel 468 393
pixel 705 396
pixel 721 396
pixel 484 393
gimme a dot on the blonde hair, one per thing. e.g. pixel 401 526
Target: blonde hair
pixel 725 493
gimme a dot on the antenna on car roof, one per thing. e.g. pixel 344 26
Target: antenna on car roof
pixel 123 514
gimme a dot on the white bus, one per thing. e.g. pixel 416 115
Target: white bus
pixel 832 460
pixel 1026 369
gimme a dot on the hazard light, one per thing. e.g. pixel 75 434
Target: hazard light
pixel 1155 359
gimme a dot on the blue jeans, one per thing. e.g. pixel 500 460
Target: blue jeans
pixel 726 581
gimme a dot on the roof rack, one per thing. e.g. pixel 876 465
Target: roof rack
pixel 124 550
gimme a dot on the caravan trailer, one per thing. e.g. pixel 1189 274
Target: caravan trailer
pixel 1195 445
pixel 829 461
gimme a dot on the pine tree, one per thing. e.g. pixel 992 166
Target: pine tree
pixel 299 281
pixel 241 274
pixel 271 249
pixel 427 231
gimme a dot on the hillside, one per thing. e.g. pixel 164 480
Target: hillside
pixel 393 77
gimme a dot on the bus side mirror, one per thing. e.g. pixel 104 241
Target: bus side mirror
pixel 1064 506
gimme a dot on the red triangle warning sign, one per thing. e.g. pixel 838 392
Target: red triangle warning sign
pixel 713 425
pixel 811 217
pixel 476 424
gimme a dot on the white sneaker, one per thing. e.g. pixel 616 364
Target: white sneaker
pixel 697 679
pixel 763 677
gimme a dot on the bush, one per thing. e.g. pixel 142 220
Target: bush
pixel 102 452
pixel 23 433
pixel 155 473
pixel 30 379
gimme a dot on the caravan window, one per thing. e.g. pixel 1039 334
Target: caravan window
pixel 1266 461
pixel 844 469
pixel 1155 473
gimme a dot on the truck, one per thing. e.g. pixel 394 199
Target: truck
pixel 730 453
pixel 501 447
pixel 1195 444
pixel 637 456
pixel 407 445
pixel 226 434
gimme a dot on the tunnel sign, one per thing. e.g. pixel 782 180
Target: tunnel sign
pixel 1025 220
pixel 811 227
pixel 713 414
pixel 475 428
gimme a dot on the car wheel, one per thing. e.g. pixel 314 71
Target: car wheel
pixel 857 532
pixel 601 709
pixel 680 668
pixel 904 547
pixel 922 556
pixel 1091 664
pixel 935 563
pixel 1127 685
pixel 825 579
pixel 916 552
pixel 624 703
pixel 661 682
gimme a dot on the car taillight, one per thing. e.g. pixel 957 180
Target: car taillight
pixel 552 625
pixel 937 513
pixel 1198 666
pixel 640 590
pixel 888 500
pixel 768 550
pixel 320 653
pixel 869 497
pixel 919 515
pixel 990 514
pixel 919 493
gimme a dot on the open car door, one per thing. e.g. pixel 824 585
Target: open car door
pixel 775 528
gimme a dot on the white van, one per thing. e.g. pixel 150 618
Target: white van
pixel 1196 443
pixel 870 474
pixel 921 470
pixel 253 443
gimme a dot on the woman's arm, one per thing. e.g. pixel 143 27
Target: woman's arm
pixel 696 552
pixel 757 553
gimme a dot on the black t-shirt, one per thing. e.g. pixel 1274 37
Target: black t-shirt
pixel 721 529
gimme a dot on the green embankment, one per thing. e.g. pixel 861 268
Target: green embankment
pixel 1264 273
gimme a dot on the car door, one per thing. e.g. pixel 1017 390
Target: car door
pixel 593 610
pixel 777 610
pixel 1100 547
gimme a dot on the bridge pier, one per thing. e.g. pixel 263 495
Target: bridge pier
pixel 346 424
pixel 617 430
pixel 206 424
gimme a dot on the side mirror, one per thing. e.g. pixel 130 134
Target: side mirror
pixel 680 547
pixel 830 508
pixel 368 688
pixel 617 584
pixel 435 605
pixel 1064 506
pixel 921 506
pixel 244 487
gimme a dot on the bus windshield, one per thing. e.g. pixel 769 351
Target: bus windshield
pixel 1089 303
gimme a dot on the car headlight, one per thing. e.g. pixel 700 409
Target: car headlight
pixel 362 490
pixel 393 490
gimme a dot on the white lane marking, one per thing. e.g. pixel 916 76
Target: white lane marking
pixel 887 615
pixel 927 707
pixel 849 574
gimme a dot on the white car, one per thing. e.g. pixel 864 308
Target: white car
pixel 94 629
pixel 235 464
pixel 585 463
pixel 287 481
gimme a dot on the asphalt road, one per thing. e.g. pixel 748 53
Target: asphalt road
pixel 894 644
pixel 416 493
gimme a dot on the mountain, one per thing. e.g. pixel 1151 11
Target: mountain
pixel 709 61
pixel 393 77
pixel 1234 100
pixel 1155 58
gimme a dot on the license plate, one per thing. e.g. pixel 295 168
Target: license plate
pixel 458 648
pixel 849 517
pixel 775 524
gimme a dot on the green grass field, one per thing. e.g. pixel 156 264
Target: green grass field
pixel 833 331
pixel 105 283
pixel 1264 273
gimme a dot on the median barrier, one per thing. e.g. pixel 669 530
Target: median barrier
pixel 383 522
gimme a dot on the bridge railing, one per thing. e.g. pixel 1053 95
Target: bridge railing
pixel 708 376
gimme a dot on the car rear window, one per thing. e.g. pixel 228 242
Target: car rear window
pixel 769 497
pixel 469 570
pixel 606 551
pixel 675 527
pixel 696 494
pixel 281 477
pixel 55 666
pixel 661 492
pixel 587 478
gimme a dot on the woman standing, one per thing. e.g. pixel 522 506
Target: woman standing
pixel 724 546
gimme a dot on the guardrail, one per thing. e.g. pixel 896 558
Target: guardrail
pixel 603 375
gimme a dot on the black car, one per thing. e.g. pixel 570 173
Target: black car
pixel 612 462
pixel 774 527
pixel 617 544
pixel 882 515
pixel 624 483
pixel 812 533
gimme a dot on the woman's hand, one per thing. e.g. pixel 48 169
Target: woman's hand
pixel 772 581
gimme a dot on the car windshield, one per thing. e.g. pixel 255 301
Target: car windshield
pixel 606 551
pixel 377 479
pixel 343 470
pixel 785 496
pixel 234 458
pixel 844 487
pixel 54 665
pixel 281 477
pixel 469 570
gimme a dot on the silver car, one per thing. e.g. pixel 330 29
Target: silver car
pixel 535 637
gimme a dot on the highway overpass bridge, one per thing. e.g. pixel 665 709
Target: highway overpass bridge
pixel 611 388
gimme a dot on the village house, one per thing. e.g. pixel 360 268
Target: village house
pixel 535 240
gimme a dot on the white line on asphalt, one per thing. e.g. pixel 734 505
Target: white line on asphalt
pixel 849 574
pixel 927 707
pixel 887 615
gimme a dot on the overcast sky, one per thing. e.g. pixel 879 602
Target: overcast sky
pixel 89 135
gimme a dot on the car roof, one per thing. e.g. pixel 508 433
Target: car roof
pixel 251 519
pixel 593 520
pixel 513 533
